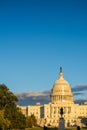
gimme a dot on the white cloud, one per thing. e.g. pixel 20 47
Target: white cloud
pixel 29 94
pixel 79 93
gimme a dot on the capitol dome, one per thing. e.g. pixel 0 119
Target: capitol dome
pixel 61 91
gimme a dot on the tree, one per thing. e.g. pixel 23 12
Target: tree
pixel 34 120
pixel 31 121
pixel 4 122
pixel 6 97
pixel 16 117
pixel 11 111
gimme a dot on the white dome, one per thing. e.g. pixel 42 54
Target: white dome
pixel 61 90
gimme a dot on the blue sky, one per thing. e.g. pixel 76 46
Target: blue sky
pixel 39 36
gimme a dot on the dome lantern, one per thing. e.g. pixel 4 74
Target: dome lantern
pixel 60 74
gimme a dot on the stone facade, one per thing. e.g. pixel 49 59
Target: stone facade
pixel 61 96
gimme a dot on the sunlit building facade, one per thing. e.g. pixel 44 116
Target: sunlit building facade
pixel 61 96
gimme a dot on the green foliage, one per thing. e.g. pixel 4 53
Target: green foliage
pixel 17 119
pixel 34 120
pixel 12 113
pixel 6 97
pixel 4 122
pixel 31 121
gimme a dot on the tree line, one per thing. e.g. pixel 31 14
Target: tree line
pixel 11 116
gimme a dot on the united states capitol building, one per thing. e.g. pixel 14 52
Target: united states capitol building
pixel 61 96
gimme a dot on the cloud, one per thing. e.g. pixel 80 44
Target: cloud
pixel 30 94
pixel 31 98
pixel 80 101
pixel 79 88
pixel 78 93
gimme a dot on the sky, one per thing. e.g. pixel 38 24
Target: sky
pixel 39 36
